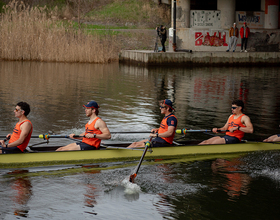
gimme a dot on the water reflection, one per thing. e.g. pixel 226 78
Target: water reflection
pixel 22 191
pixel 128 96
pixel 233 181
pixel 91 189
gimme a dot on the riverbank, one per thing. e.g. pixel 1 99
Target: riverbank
pixel 53 34
pixel 199 58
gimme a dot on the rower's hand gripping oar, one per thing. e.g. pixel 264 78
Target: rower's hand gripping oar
pixel 134 174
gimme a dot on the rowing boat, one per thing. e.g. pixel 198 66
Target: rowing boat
pixel 45 156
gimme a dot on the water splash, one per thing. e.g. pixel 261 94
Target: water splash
pixel 130 188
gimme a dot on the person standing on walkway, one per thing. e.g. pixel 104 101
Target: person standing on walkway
pixel 233 37
pixel 244 34
pixel 162 34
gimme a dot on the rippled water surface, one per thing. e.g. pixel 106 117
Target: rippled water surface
pixel 209 187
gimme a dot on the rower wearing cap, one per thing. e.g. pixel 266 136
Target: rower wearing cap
pixel 95 131
pixel 165 133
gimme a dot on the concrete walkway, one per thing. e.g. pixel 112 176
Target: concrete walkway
pixel 150 58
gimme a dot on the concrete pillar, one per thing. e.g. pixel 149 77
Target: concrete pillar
pixel 182 13
pixel 271 14
pixel 227 8
pixel 262 5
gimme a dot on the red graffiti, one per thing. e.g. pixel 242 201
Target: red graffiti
pixel 210 40
pixel 198 38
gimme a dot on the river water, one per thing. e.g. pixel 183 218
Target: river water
pixel 243 186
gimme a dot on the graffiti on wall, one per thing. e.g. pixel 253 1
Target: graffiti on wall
pixel 205 19
pixel 214 39
pixel 254 20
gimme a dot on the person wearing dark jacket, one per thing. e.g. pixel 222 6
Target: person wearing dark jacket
pixel 162 34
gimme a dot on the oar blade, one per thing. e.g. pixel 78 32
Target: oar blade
pixel 132 177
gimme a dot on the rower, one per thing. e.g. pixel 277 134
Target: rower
pixel 237 124
pixel 21 135
pixel 164 135
pixel 95 131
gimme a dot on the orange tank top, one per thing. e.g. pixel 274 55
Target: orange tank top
pixel 164 127
pixel 235 123
pixel 90 129
pixel 16 134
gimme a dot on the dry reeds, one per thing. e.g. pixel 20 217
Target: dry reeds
pixel 34 33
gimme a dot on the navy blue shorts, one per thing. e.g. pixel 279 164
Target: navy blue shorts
pixel 85 146
pixel 278 135
pixel 11 150
pixel 231 140
pixel 159 142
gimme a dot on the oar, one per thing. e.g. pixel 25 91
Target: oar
pixel 134 174
pixel 47 136
pixel 185 131
pixel 44 136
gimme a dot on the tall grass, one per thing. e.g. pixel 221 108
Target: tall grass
pixel 144 13
pixel 34 33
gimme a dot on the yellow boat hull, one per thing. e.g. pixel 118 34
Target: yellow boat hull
pixel 94 156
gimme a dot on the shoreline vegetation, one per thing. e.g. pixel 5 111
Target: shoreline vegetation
pixel 76 32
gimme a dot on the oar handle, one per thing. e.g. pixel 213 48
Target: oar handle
pixel 185 131
pixel 48 136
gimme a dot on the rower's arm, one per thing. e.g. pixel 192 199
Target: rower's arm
pixel 25 130
pixel 101 125
pixel 247 122
pixel 224 128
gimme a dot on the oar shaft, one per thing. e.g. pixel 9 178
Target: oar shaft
pixel 147 145
pixel 142 158
pixel 184 131
pixel 47 136
pixel 130 132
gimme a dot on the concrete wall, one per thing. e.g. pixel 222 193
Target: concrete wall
pixel 149 58
pixel 217 40
pixel 206 30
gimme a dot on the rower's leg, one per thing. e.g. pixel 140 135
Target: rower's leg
pixel 69 147
pixel 213 140
pixel 138 144
pixel 272 138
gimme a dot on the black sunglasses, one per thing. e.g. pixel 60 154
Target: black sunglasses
pixel 233 107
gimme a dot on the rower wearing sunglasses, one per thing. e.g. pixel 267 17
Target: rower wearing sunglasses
pixel 164 135
pixel 237 125
pixel 20 138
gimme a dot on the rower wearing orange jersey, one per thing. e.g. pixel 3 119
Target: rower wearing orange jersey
pixel 21 135
pixel 95 131
pixel 237 125
pixel 165 133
